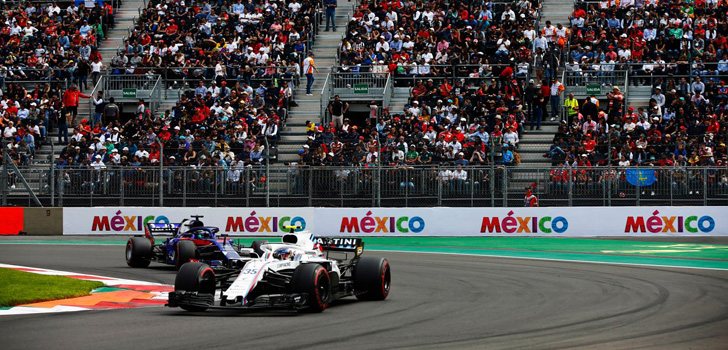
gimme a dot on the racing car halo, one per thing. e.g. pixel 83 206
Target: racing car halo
pixel 302 272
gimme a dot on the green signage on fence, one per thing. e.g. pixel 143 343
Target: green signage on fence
pixel 361 88
pixel 593 89
pixel 129 93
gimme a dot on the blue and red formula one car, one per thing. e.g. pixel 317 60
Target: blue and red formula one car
pixel 189 240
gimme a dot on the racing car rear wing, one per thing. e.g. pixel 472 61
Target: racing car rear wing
pixel 160 228
pixel 341 244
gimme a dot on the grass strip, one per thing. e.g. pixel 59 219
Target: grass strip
pixel 18 287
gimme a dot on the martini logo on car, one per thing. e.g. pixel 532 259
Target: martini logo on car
pixel 673 224
pixel 262 224
pixel 382 224
pixel 120 222
pixel 523 224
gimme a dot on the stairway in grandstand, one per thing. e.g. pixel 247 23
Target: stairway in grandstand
pixel 293 135
pixel 124 18
pixel 534 143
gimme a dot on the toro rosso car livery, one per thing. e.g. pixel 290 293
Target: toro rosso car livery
pixel 300 273
pixel 190 240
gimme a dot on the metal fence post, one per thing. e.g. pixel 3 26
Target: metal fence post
pixel 52 185
pixel 310 186
pixel 161 172
pixel 61 187
pixel 439 188
pixel 505 186
pixel 609 184
pixel 639 193
pixel 571 185
pixel 705 186
pixel 472 190
pixel 671 186
pixel 247 186
pixel 4 175
pixel 121 188
pixel 491 181
pixel 184 187
pixel 406 188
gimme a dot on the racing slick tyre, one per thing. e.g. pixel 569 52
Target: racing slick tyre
pixel 138 252
pixel 256 247
pixel 314 281
pixel 184 251
pixel 372 278
pixel 195 277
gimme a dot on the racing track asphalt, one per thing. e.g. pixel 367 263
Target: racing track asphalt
pixel 437 301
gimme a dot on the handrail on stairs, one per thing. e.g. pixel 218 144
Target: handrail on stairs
pixel 387 93
pixel 325 97
pixel 98 87
pixel 154 95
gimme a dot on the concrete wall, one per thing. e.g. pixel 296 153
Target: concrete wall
pixel 44 221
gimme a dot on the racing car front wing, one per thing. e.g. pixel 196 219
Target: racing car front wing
pixel 292 301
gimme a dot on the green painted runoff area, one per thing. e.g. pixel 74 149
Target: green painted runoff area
pixel 20 287
pixel 698 255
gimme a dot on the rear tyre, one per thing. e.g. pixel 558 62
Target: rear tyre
pixel 195 277
pixel 314 281
pixel 372 278
pixel 184 252
pixel 256 247
pixel 138 252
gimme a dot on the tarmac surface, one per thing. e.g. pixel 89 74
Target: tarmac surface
pixel 437 301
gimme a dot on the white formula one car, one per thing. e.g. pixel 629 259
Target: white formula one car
pixel 302 272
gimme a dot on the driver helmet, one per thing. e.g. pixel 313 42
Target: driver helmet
pixel 195 223
pixel 283 253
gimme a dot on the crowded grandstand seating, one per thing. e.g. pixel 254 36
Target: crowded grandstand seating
pixel 673 48
pixel 466 65
pixel 647 38
pixel 238 41
pixel 45 47
pixel 427 38
pixel 238 63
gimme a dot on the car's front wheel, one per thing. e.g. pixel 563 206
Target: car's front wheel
pixel 195 277
pixel 138 252
pixel 315 282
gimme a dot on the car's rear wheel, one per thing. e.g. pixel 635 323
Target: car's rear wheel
pixel 315 282
pixel 195 277
pixel 372 278
pixel 138 252
pixel 184 252
pixel 256 247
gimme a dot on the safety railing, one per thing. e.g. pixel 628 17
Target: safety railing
pixel 403 186
pixel 387 94
pixel 325 98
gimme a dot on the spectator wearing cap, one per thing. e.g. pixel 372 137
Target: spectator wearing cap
pixel 309 67
pixel 556 90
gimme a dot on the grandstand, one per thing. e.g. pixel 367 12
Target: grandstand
pixel 438 103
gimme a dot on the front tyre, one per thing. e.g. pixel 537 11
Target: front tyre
pixel 314 281
pixel 138 252
pixel 372 278
pixel 195 277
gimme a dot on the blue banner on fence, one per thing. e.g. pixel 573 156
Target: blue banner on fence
pixel 640 177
